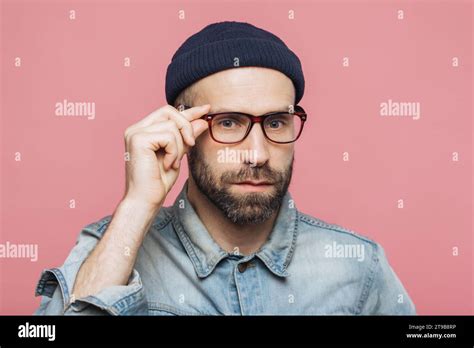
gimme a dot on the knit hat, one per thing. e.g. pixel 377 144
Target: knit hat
pixel 226 45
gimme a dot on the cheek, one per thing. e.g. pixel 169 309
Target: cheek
pixel 281 156
pixel 215 155
pixel 212 153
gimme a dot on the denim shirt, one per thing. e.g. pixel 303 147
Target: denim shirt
pixel 306 267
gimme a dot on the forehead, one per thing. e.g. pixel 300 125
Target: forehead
pixel 253 90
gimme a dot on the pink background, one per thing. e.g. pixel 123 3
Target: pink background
pixel 391 158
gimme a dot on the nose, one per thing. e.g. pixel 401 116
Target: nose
pixel 258 144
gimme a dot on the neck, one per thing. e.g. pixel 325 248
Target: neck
pixel 247 238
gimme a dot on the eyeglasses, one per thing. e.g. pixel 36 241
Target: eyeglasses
pixel 281 127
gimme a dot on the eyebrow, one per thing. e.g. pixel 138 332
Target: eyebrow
pixel 223 109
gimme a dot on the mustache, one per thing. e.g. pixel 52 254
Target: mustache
pixel 253 173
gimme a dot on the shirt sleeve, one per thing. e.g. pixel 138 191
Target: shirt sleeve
pixel 126 299
pixel 387 296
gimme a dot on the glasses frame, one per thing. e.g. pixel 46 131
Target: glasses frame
pixel 299 111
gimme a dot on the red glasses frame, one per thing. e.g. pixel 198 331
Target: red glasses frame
pixel 299 111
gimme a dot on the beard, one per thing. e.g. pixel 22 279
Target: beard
pixel 241 209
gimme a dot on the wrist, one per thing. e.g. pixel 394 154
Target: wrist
pixel 132 203
pixel 131 220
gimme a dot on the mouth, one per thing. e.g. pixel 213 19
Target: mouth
pixel 252 182
pixel 252 185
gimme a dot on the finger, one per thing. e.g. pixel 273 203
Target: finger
pixel 155 116
pixel 184 126
pixel 169 127
pixel 170 157
pixel 196 112
pixel 169 112
pixel 179 141
pixel 158 115
pixel 156 141
pixel 164 112
pixel 199 127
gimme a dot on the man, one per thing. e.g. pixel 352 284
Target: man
pixel 233 243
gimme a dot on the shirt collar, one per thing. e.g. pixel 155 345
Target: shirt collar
pixel 205 253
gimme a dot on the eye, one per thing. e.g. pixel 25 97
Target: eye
pixel 227 123
pixel 230 121
pixel 276 123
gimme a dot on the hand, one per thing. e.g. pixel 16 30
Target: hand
pixel 156 145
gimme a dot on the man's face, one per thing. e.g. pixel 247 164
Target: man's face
pixel 221 171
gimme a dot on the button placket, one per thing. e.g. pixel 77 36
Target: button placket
pixel 248 287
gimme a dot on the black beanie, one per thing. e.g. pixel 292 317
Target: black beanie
pixel 215 48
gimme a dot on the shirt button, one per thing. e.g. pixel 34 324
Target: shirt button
pixel 242 267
